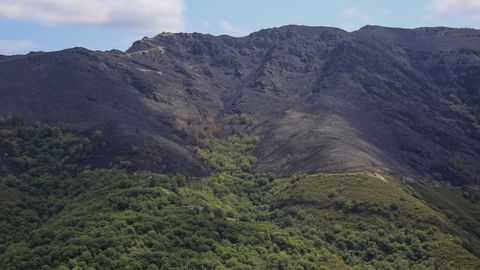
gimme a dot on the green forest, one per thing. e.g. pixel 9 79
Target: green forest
pixel 56 212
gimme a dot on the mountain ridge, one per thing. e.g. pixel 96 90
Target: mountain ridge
pixel 320 99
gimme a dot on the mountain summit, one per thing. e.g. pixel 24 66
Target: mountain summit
pixel 319 99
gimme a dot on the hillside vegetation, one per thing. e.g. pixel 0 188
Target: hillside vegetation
pixel 56 213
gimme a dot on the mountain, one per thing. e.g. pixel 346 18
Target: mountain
pixel 319 99
pixel 51 218
pixel 291 148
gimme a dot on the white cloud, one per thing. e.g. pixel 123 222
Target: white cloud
pixel 229 29
pixel 354 19
pixel 8 46
pixel 454 7
pixel 206 25
pixel 226 26
pixel 152 15
pixel 384 12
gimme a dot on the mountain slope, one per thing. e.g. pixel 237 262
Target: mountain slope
pixel 109 219
pixel 319 99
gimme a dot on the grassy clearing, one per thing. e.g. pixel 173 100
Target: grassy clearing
pixel 462 210
pixel 356 203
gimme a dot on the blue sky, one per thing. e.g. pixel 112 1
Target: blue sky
pixel 46 25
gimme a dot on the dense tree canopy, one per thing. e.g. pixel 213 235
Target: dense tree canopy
pixel 58 214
